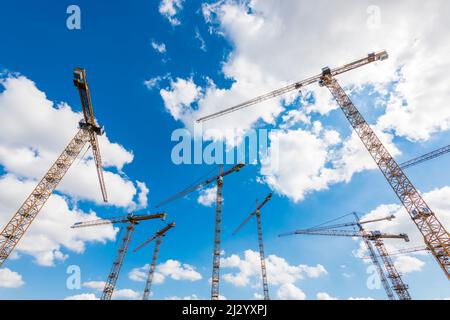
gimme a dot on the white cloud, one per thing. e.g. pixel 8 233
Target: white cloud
pixel 191 297
pixel 170 269
pixel 95 285
pixel 50 233
pixel 28 150
pixel 207 197
pixel 180 96
pixel 325 296
pixel 169 9
pixel 159 47
pixel 142 200
pixel 82 296
pixel 361 298
pixel 127 294
pixel 279 271
pixel 289 291
pixel 10 279
pixel 407 264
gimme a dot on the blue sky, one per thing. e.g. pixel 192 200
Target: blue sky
pixel 248 49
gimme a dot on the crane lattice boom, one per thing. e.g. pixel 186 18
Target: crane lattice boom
pixel 426 157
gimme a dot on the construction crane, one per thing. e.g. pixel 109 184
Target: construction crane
pixel 434 233
pixel 88 132
pixel 159 237
pixel 426 157
pixel 369 236
pixel 257 214
pixel 131 220
pixel 218 220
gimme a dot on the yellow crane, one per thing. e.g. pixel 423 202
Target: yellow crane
pixel 131 220
pixel 376 237
pixel 88 132
pixel 215 279
pixel 159 237
pixel 435 236
pixel 257 214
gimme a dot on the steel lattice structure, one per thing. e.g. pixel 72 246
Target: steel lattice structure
pixel 434 234
pixel 151 272
pixel 426 157
pixel 262 257
pixel 110 284
pixel 217 237
pixel 397 282
pixel 159 238
pixel 131 220
pixel 377 264
pixel 22 219
pixel 257 214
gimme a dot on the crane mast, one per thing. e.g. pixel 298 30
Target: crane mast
pixel 257 214
pixel 433 232
pixel 118 262
pixel 215 279
pixel 16 228
pixel 377 264
pixel 397 282
pixel 159 237
pixel 262 257
pixel 217 238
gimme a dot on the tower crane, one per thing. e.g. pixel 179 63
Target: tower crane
pixel 27 212
pixel 426 157
pixel 131 220
pixel 435 236
pixel 369 236
pixel 218 220
pixel 257 214
pixel 159 237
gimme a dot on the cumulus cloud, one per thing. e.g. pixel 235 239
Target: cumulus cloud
pixel 325 296
pixel 159 47
pixel 289 291
pixel 82 296
pixel 172 269
pixel 10 279
pixel 191 297
pixel 279 271
pixel 207 197
pixel 169 9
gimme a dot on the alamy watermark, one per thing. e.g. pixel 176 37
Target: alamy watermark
pixel 225 147
pixel 73 21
